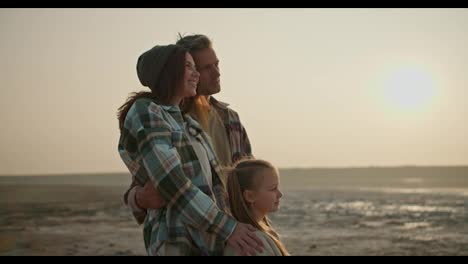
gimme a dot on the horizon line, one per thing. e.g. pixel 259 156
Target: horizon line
pixel 280 168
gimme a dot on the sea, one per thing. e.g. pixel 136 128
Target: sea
pixel 406 210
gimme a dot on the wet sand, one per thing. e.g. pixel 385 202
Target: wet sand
pixel 314 219
pixel 66 220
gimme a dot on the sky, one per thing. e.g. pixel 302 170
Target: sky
pixel 313 87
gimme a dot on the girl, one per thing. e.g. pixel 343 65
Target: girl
pixel 253 189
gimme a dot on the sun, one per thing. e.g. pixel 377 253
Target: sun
pixel 409 88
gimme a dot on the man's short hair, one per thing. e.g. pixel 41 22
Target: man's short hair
pixel 194 43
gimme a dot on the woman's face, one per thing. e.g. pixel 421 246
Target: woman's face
pixel 191 77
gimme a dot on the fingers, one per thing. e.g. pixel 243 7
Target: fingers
pixel 237 248
pixel 251 228
pixel 149 198
pixel 148 183
pixel 258 242
pixel 252 244
pixel 255 242
pixel 244 241
pixel 247 250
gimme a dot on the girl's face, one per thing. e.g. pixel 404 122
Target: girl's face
pixel 266 198
pixel 191 77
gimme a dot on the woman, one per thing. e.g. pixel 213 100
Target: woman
pixel 158 143
pixel 253 187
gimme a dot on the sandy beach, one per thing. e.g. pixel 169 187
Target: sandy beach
pixel 44 216
pixel 66 220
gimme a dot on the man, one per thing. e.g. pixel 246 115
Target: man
pixel 222 124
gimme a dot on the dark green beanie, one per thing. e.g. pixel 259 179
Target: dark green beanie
pixel 151 63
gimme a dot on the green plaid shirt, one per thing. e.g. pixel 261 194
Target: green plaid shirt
pixel 154 146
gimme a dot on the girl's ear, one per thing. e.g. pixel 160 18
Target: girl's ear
pixel 249 196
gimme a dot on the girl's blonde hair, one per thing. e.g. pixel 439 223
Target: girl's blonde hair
pixel 245 176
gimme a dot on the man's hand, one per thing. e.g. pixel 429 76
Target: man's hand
pixel 148 197
pixel 244 241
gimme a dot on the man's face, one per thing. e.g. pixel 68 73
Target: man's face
pixel 207 65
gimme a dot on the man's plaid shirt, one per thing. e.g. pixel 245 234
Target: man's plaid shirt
pixel 237 135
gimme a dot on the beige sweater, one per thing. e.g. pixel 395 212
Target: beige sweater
pixel 269 247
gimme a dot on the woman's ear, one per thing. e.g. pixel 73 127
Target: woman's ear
pixel 249 196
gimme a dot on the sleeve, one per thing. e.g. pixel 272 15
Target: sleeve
pixel 162 163
pixel 247 148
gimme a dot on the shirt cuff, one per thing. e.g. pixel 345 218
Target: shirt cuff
pixel 228 225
